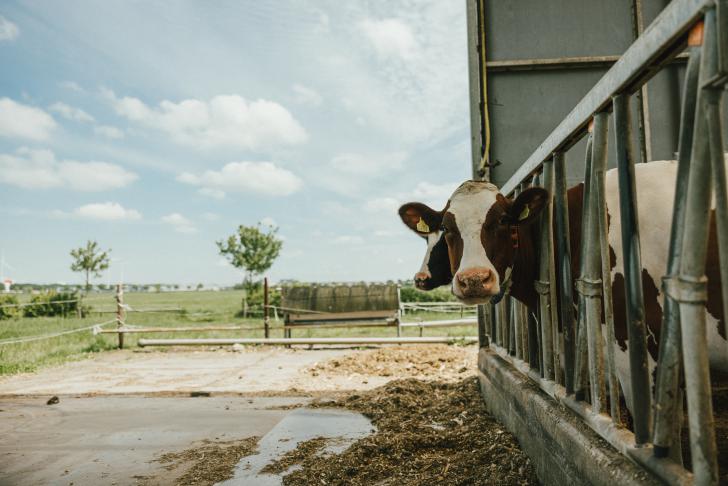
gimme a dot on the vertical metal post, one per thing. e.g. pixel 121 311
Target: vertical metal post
pixel 120 314
pixel 668 411
pixel 581 372
pixel 484 318
pixel 563 252
pixel 691 288
pixel 591 281
pixel 635 318
pixel 599 162
pixel 543 284
pixel 266 310
pixel 517 324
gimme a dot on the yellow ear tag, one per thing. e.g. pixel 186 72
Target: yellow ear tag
pixel 524 214
pixel 422 226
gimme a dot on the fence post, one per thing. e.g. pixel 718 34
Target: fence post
pixel 668 412
pixel 690 289
pixel 561 217
pixel 632 266
pixel 120 314
pixel 266 318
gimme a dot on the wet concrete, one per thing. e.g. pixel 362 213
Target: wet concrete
pixel 114 440
pixel 298 426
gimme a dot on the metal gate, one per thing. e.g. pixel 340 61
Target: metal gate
pixel 562 351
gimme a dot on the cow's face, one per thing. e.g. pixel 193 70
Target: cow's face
pixel 426 222
pixel 480 227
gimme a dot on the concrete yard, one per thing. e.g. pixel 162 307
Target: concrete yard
pixel 119 412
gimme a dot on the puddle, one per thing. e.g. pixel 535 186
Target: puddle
pixel 299 425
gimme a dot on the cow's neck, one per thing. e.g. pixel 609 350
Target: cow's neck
pixel 525 262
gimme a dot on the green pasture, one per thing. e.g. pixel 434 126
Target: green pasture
pixel 177 309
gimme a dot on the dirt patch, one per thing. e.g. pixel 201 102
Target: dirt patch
pixel 207 464
pixel 304 452
pixel 427 433
pixel 439 361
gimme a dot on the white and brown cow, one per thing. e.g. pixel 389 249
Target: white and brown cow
pixel 435 269
pixel 492 244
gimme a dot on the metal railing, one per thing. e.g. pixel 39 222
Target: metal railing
pixel 567 343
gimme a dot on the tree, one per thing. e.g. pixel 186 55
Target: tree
pixel 251 250
pixel 90 259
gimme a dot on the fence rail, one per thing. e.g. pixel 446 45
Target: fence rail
pixel 561 347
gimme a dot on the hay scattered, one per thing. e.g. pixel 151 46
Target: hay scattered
pixel 303 452
pixel 428 433
pixel 208 464
pixel 438 361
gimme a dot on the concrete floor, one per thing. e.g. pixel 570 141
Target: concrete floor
pixel 111 440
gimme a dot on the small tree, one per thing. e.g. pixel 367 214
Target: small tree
pixel 251 250
pixel 90 260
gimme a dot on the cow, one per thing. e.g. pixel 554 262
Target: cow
pixel 435 269
pixel 492 244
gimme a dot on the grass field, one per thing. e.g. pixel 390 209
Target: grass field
pixel 199 309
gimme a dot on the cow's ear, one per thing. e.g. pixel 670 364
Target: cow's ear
pixel 420 218
pixel 527 206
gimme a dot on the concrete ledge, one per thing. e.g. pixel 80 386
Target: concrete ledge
pixel 562 448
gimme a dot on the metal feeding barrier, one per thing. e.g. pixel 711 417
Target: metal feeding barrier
pixel 560 345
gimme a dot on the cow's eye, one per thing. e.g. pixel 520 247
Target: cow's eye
pixel 504 220
pixel 443 229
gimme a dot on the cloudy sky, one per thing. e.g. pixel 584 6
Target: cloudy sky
pixel 157 127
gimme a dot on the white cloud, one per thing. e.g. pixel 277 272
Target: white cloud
pixel 71 85
pixel 224 121
pixel 8 30
pixel 382 204
pixel 70 112
pixel 109 131
pixel 368 165
pixel 245 177
pixel 107 211
pixel 348 240
pixel 210 216
pixel 22 121
pixel 390 37
pixel 307 96
pixel 39 169
pixel 180 223
pixel 268 221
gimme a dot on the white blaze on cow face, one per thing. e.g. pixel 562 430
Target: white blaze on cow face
pixel 432 239
pixel 475 277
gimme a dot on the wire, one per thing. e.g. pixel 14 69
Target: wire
pixel 48 336
pixel 485 159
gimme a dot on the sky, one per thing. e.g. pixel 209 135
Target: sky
pixel 156 128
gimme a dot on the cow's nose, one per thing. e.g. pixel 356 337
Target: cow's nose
pixel 476 282
pixel 421 279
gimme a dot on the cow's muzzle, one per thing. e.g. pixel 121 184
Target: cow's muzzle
pixel 421 279
pixel 475 285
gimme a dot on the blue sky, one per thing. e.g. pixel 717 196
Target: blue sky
pixel 156 128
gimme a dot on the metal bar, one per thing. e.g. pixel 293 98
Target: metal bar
pixel 669 361
pixel 120 313
pixel 266 318
pixel 591 282
pixel 309 341
pixel 563 252
pixel 471 8
pixel 691 290
pixel 144 330
pixel 659 37
pixel 519 330
pixel 443 323
pixel 543 284
pixel 576 62
pixel 635 316
pixel 483 319
pixel 599 162
pixel 581 371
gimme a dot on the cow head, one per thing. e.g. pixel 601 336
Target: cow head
pixel 481 228
pixel 425 222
